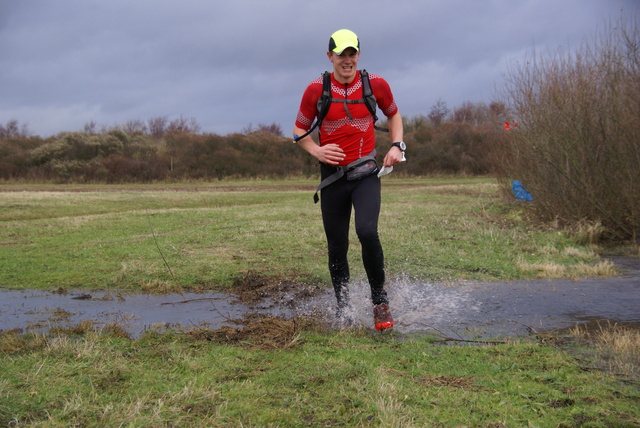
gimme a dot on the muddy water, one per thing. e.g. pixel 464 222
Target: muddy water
pixel 40 310
pixel 468 310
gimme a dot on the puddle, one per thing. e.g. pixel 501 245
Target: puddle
pixel 466 311
pixel 33 310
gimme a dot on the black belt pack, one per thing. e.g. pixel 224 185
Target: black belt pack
pixel 361 168
pixel 356 170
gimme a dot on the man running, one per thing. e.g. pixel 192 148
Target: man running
pixel 346 135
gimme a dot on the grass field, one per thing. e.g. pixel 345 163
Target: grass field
pixel 293 373
pixel 207 235
pixel 346 378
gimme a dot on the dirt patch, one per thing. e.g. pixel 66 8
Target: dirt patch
pixel 254 288
pixel 257 332
pixel 431 381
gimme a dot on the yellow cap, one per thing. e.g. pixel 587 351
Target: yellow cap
pixel 343 39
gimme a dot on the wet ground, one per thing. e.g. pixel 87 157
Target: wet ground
pixel 465 311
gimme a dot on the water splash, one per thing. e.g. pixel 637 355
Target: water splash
pixel 416 306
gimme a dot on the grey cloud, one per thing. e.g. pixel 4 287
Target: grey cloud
pixel 229 64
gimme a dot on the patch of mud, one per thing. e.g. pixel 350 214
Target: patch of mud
pixel 254 288
pixel 468 310
pixel 256 331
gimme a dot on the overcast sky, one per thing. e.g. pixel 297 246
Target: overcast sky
pixel 231 64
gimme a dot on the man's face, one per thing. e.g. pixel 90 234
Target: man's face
pixel 345 65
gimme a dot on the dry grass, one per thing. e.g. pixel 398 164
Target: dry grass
pixel 258 332
pixel 617 348
pixel 578 253
pixel 587 232
pixel 12 341
pixel 551 270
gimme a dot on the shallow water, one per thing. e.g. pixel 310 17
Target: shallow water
pixel 37 310
pixel 466 311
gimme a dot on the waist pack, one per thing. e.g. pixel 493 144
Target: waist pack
pixel 361 168
pixel 356 170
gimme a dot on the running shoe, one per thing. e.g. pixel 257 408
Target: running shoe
pixel 382 317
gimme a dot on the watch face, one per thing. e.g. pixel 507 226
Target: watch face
pixel 401 145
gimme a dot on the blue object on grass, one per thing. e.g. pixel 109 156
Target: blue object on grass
pixel 520 192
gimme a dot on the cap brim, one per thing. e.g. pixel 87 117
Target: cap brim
pixel 340 49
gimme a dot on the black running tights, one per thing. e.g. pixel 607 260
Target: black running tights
pixel 337 201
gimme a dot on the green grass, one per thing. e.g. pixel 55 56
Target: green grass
pixel 285 373
pixel 210 234
pixel 349 378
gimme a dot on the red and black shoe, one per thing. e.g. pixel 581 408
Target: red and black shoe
pixel 382 317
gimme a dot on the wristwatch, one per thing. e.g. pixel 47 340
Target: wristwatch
pixel 401 145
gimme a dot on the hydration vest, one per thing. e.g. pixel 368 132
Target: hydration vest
pixel 325 100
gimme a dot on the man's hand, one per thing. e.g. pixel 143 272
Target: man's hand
pixel 330 154
pixel 393 157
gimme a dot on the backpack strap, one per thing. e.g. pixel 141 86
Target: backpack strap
pixel 324 102
pixel 370 99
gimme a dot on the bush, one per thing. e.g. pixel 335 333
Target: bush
pixel 451 148
pixel 442 142
pixel 15 157
pixel 577 147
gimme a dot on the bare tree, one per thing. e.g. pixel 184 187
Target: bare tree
pixel 248 129
pixel 274 128
pixel 90 127
pixel 438 112
pixel 473 113
pixel 13 129
pixel 184 125
pixel 157 126
pixel 134 126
